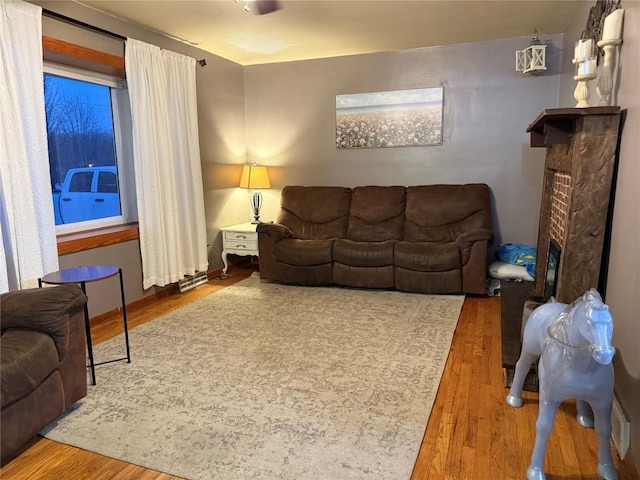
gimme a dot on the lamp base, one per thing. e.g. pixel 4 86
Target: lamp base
pixel 256 204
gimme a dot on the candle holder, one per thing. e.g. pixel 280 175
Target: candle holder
pixel 604 86
pixel 582 93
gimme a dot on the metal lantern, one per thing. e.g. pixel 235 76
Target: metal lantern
pixel 533 58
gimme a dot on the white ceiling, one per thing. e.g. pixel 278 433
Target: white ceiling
pixel 306 29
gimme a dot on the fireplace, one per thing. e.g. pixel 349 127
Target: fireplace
pixel 580 154
pixel 553 267
pixel 560 195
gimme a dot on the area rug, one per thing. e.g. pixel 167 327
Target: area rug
pixel 266 381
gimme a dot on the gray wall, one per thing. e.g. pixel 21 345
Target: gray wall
pixel 104 295
pixel 623 290
pixel 623 286
pixel 290 109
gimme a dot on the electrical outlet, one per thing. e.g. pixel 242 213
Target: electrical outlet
pixel 620 429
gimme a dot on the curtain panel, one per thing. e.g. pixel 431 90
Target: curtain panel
pixel 169 191
pixel 28 238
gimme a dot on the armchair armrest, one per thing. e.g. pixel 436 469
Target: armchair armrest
pixel 43 309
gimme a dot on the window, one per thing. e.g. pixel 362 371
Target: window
pixel 81 182
pixel 89 150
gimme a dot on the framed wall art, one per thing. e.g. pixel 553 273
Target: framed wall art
pixel 400 118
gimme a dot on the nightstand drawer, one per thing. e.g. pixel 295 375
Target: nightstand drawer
pixel 241 236
pixel 236 244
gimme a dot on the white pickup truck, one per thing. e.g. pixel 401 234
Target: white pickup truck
pixel 87 194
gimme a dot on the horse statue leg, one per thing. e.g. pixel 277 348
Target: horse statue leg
pixel 602 411
pixel 523 366
pixel 535 332
pixel 584 414
pixel 544 425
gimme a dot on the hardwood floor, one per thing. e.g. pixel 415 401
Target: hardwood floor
pixel 472 433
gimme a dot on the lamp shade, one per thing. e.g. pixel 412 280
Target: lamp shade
pixel 254 176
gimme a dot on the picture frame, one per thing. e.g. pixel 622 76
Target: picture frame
pixel 398 118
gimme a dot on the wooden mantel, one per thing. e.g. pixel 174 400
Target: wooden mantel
pixel 556 126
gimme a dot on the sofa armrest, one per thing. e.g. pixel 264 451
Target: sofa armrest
pixel 268 235
pixel 275 231
pixel 43 309
pixel 471 236
pixel 468 239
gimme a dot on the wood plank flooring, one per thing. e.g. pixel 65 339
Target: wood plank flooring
pixel 472 433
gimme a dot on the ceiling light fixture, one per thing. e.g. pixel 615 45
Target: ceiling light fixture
pixel 246 7
pixel 260 7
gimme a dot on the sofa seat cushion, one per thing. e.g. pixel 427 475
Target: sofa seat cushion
pixel 27 358
pixel 304 253
pixel 363 254
pixel 427 256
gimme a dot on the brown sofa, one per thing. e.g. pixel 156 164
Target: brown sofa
pixel 429 238
pixel 42 360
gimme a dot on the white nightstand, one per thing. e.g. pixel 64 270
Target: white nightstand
pixel 241 239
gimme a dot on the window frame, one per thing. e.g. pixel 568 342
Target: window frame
pixel 123 144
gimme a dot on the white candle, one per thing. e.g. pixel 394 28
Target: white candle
pixel 583 49
pixel 587 67
pixel 613 25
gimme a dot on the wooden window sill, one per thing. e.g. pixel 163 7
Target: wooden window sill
pixel 100 237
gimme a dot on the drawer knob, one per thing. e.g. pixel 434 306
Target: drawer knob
pixel 241 246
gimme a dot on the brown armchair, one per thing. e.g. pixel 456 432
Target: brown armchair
pixel 42 360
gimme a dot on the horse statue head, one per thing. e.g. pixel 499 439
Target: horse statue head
pixel 595 325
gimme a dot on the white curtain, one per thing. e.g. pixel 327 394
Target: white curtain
pixel 169 193
pixel 28 237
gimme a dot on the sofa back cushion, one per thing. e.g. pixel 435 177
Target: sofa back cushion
pixel 440 213
pixel 377 214
pixel 315 213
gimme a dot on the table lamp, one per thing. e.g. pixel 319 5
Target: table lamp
pixel 254 177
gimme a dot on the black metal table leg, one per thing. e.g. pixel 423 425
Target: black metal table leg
pixel 124 317
pixel 87 327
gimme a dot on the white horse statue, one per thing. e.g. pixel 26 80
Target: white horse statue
pixel 573 343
